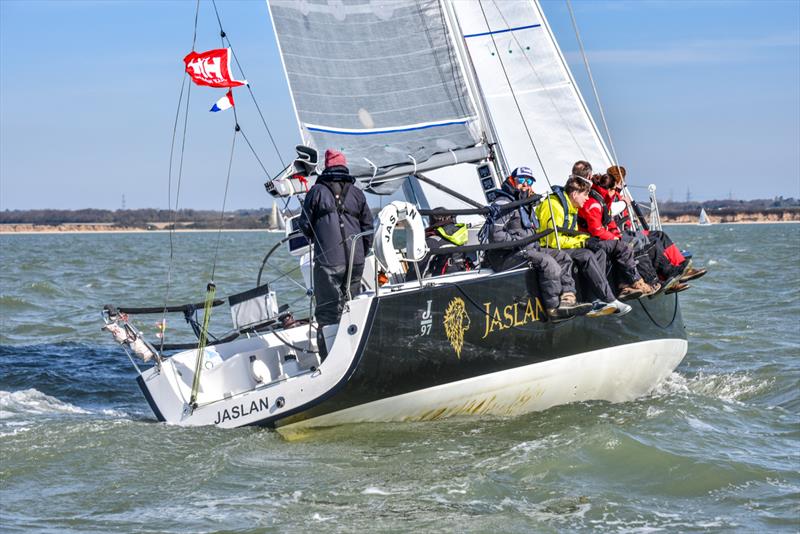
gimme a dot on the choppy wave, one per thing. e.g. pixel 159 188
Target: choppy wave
pixel 726 387
pixel 710 449
pixel 33 402
pixel 14 304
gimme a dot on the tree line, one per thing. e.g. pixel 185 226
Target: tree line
pixel 259 218
pixel 139 218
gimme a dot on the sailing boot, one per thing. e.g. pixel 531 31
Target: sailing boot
pixel 609 308
pixel 601 309
pixel 692 274
pixel 645 288
pixel 569 307
pixel 628 292
pixel 677 288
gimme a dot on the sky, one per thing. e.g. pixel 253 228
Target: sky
pixel 702 98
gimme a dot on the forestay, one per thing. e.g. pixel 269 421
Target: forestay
pixel 379 81
pixel 526 83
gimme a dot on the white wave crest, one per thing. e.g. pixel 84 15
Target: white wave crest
pixel 727 387
pixel 32 401
pixel 372 490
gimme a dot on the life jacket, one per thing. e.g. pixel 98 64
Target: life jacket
pixel 458 236
pixel 569 223
pixel 622 219
pixel 607 219
pixel 528 219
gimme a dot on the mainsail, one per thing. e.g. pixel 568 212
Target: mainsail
pixel 530 94
pixel 378 80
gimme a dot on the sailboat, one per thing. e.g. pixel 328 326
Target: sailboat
pixel 275 222
pixel 433 102
pixel 703 220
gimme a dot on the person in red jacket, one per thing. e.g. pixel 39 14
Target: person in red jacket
pixel 665 255
pixel 594 217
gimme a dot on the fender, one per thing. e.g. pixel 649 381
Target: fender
pixel 388 257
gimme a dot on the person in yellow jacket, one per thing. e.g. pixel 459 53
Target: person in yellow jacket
pixel 560 210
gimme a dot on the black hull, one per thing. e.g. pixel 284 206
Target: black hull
pixel 447 333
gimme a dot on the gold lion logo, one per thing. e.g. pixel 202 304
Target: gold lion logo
pixel 456 323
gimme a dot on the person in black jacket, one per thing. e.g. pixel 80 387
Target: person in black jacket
pixel 334 211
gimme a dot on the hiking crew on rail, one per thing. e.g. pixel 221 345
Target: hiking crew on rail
pixel 589 219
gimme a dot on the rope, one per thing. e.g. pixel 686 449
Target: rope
pixel 539 79
pixel 211 289
pixel 173 214
pixel 615 159
pixel 224 201
pixel 223 35
pixel 652 319
pixel 522 117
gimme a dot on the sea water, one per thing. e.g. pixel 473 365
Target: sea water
pixel 713 448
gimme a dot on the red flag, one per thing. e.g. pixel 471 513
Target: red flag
pixel 212 68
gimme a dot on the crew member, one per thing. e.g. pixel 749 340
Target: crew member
pixel 666 257
pixel 594 217
pixel 443 231
pixel 334 211
pixel 554 269
pixel 560 211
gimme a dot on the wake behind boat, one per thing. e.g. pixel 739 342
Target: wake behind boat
pixel 434 102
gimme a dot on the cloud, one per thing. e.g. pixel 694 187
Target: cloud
pixel 697 51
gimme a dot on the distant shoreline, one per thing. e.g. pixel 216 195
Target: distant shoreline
pixel 51 231
pixel 94 229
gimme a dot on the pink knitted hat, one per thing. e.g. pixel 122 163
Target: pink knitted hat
pixel 334 158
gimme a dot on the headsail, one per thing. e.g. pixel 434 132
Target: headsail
pixel 528 89
pixel 379 81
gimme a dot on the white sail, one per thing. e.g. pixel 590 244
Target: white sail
pixel 528 89
pixel 378 80
pixel 704 220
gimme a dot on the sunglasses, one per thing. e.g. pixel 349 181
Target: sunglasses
pixel 525 181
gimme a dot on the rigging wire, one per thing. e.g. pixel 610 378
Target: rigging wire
pixel 223 35
pixel 524 121
pixel 614 157
pixel 224 201
pixel 173 213
pixel 541 83
pixel 591 80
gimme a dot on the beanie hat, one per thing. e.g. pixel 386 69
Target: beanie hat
pixel 334 158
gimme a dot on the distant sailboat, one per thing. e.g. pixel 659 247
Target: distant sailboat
pixel 703 220
pixel 275 218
